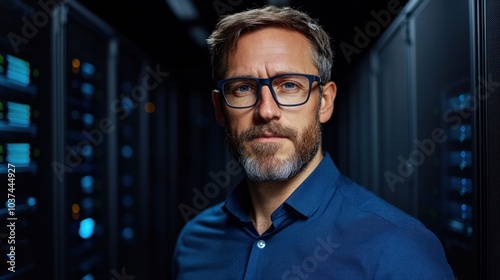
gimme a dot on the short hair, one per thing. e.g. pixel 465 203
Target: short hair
pixel 230 27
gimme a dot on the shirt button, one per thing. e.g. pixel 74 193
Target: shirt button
pixel 261 244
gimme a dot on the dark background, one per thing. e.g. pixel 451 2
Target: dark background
pixel 153 26
pixel 136 183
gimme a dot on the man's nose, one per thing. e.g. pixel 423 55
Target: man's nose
pixel 267 109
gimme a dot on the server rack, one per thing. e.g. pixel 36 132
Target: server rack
pixel 429 70
pixel 486 58
pixel 132 108
pixel 77 171
pixel 394 103
pixel 443 94
pixel 163 193
pixel 83 67
pixel 24 148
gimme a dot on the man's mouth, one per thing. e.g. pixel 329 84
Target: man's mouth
pixel 268 137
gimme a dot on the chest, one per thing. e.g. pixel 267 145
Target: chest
pixel 294 252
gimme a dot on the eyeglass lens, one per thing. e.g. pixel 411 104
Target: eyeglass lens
pixel 289 90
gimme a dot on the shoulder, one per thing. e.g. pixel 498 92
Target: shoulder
pixel 211 217
pixel 364 202
pixel 412 252
pixel 402 245
pixel 194 235
pixel 196 231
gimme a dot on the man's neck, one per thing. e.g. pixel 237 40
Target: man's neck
pixel 268 196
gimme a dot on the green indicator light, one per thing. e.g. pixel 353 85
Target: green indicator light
pixel 36 73
pixel 37 152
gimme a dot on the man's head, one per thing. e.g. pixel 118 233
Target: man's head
pixel 273 66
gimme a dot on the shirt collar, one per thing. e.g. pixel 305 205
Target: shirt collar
pixel 306 199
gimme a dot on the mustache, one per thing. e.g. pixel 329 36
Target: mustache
pixel 268 128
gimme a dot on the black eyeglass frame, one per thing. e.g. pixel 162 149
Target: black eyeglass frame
pixel 268 82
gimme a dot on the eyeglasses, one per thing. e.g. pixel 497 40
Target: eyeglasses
pixel 286 89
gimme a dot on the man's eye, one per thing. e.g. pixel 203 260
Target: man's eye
pixel 289 85
pixel 243 88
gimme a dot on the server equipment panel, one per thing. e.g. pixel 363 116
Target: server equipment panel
pixel 24 148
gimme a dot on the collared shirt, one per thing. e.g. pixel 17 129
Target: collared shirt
pixel 328 228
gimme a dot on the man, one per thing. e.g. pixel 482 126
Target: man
pixel 294 216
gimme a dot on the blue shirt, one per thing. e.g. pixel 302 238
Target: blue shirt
pixel 329 228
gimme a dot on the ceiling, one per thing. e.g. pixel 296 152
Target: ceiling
pixel 174 33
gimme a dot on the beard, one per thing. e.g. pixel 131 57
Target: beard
pixel 261 163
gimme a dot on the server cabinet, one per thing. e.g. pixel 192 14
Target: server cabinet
pixel 75 141
pixel 24 148
pixel 445 132
pixel 134 85
pixel 163 174
pixel 486 58
pixel 435 114
pixel 82 65
pixel 394 118
pixel 357 125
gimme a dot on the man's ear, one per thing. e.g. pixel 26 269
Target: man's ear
pixel 219 111
pixel 327 100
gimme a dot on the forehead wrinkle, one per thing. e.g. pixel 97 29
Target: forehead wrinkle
pixel 273 58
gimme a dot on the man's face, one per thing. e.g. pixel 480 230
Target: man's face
pixel 272 142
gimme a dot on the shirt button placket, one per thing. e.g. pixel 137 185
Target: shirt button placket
pixel 257 254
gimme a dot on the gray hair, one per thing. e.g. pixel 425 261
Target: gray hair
pixel 231 27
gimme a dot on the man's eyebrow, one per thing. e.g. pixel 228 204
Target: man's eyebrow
pixel 240 76
pixel 277 73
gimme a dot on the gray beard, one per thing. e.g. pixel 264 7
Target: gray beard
pixel 276 169
pixel 264 166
